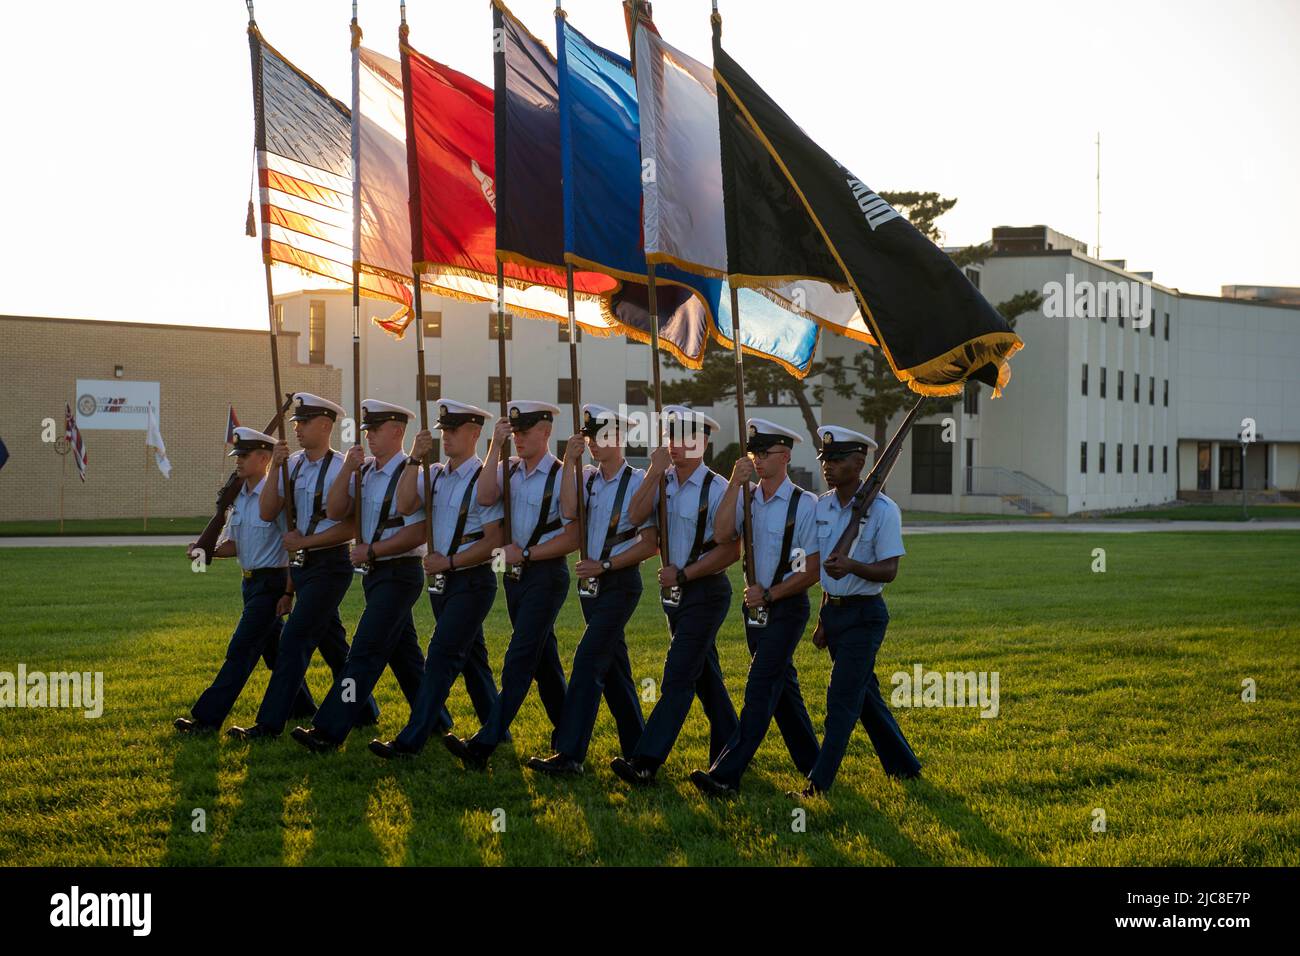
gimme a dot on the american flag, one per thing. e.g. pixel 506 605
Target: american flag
pixel 232 422
pixel 73 434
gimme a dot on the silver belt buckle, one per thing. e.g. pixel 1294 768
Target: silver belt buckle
pixel 299 559
pixel 756 616
pixel 588 587
pixel 515 572
pixel 438 583
pixel 671 597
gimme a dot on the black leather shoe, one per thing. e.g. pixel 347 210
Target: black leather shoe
pixel 188 725
pixel 556 764
pixel 312 740
pixel 711 786
pixel 390 750
pixel 631 771
pixel 463 752
pixel 255 732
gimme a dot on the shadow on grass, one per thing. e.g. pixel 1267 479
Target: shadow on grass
pixel 194 772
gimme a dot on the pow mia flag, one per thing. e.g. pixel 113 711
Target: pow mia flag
pixel 794 213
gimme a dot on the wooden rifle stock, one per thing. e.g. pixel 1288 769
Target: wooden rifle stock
pixel 876 479
pixel 207 541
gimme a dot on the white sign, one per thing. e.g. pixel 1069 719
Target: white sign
pixel 114 404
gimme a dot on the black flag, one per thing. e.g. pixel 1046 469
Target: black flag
pixel 793 212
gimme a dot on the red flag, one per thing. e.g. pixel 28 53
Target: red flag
pixel 73 434
pixel 232 422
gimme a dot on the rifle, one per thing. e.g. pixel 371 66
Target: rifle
pixel 875 480
pixel 207 542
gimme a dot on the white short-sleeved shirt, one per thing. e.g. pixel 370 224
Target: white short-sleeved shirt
pixel 527 489
pixel 601 507
pixel 374 486
pixel 880 537
pixel 769 528
pixel 258 543
pixel 449 490
pixel 683 510
pixel 305 473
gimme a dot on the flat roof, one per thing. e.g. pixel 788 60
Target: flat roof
pixel 143 325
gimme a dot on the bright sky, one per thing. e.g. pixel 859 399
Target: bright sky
pixel 129 154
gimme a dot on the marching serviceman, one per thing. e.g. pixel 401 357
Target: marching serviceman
pixel 462 585
pixel 266 597
pixel 537 577
pixel 318 565
pixel 694 590
pixel 853 616
pixel 786 565
pixel 388 552
pixel 609 585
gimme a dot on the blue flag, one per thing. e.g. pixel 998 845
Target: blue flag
pixel 600 154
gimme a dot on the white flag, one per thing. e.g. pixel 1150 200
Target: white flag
pixel 153 439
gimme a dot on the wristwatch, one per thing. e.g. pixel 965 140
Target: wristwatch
pixel 527 553
pixel 681 576
pixel 606 564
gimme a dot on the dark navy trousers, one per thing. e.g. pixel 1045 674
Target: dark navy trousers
pixel 533 603
pixel 772 690
pixel 457 647
pixel 256 635
pixel 854 633
pixel 385 637
pixel 601 668
pixel 319 589
pixel 691 670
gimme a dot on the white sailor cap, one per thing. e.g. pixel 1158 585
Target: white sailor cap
pixel 689 420
pixel 525 414
pixel 375 413
pixel 313 406
pixel 839 442
pixel 595 417
pixel 453 414
pixel 764 434
pixel 250 439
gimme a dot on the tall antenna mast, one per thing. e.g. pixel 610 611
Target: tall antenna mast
pixel 1098 194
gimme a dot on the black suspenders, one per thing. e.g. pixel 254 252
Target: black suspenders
pixel 787 540
pixel 317 505
pixel 699 547
pixel 385 522
pixel 458 536
pixel 543 526
pixel 612 536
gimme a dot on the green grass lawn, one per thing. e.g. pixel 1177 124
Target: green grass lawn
pixel 1119 691
pixel 1193 512
pixel 90 526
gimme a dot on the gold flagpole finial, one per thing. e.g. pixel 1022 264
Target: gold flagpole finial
pixel 403 12
pixel 559 10
pixel 249 4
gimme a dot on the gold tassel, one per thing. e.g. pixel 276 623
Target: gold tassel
pixel 250 224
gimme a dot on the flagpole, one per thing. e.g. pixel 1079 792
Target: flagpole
pixel 255 48
pixel 146 486
pixel 501 381
pixel 748 535
pixel 63 477
pixel 356 263
pixel 574 395
pixel 417 243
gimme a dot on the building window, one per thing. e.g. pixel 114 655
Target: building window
pixel 1119 386
pixel 1151 459
pixel 432 325
pixel 564 392
pixel 494 389
pixel 279 317
pixel 1119 458
pixel 1153 321
pixel 1229 467
pixel 1151 389
pixel 492 326
pixel 637 393
pixel 1101 458
pixel 1119 319
pixel 1103 381
pixel 1204 456
pixel 432 387
pixel 1166 326
pixel 637 451
pixel 974 276
pixel 316 332
pixel 1085 378
pixel 970 398
pixel 564 331
pixel 931 461
pixel 1083 457
pixel 1166 393
pixel 559 448
pixel 970 466
pixel 1164 459
pixel 1137 387
pixel 1136 469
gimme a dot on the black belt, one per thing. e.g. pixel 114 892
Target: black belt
pixel 325 554
pixel 849 600
pixel 256 574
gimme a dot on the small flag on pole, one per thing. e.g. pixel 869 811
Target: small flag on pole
pixel 232 422
pixel 73 434
pixel 153 439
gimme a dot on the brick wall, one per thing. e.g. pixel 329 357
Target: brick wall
pixel 200 372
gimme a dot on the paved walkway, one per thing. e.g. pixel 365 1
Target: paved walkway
pixel 956 527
